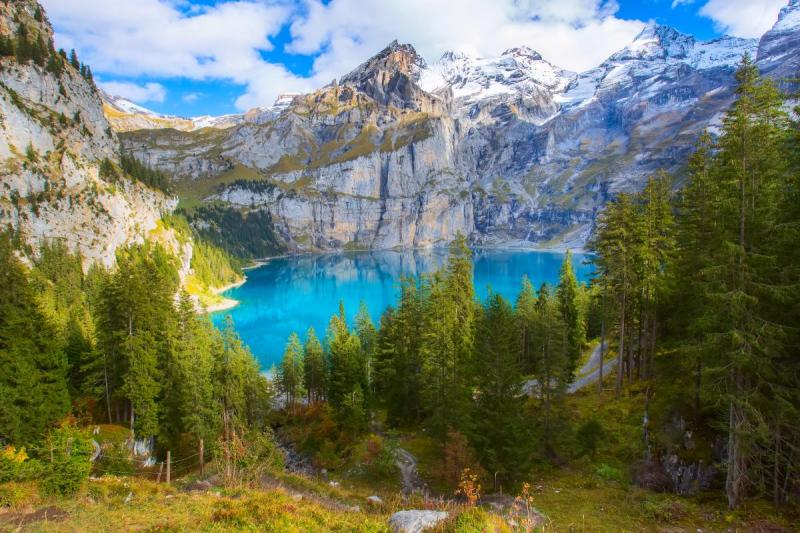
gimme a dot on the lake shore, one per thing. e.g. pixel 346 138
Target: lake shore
pixel 226 303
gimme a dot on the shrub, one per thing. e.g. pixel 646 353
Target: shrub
pixel 16 466
pixel 609 473
pixel 469 488
pixel 246 459
pixel 589 435
pixel 15 494
pixel 664 509
pixel 71 451
pixel 379 456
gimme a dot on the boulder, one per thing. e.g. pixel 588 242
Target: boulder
pixel 375 500
pixel 415 521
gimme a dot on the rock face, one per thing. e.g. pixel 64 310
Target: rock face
pixel 53 139
pixel 506 150
pixel 415 521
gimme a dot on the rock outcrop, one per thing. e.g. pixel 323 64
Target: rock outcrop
pixel 54 140
pixel 507 150
pixel 415 521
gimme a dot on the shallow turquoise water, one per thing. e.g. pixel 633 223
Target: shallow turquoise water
pixel 293 293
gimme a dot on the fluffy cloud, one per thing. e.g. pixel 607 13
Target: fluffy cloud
pixel 743 18
pixel 148 92
pixel 177 38
pixel 575 34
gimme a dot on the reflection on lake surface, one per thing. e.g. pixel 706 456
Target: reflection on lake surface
pixel 293 293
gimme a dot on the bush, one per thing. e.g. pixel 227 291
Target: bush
pixel 71 452
pixel 474 520
pixel 16 466
pixel 15 495
pixel 249 457
pixel 609 473
pixel 379 457
pixel 589 435
pixel 664 509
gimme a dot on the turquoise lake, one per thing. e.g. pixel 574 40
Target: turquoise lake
pixel 290 294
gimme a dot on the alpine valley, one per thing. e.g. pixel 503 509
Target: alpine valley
pixel 510 150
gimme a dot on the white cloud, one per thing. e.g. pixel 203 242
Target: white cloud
pixel 174 38
pixel 190 98
pixel 148 92
pixel 743 18
pixel 676 3
pixel 575 34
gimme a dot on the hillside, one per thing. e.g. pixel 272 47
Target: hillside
pixel 509 150
pixel 54 140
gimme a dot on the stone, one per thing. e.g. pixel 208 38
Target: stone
pixel 415 521
pixel 375 500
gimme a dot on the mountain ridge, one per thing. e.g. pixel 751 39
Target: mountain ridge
pixel 510 150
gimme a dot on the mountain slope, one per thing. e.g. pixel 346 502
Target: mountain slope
pixel 58 155
pixel 509 150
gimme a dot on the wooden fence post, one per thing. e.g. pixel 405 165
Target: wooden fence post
pixel 169 465
pixel 202 457
pixel 160 469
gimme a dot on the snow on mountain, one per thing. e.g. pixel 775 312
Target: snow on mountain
pixel 789 17
pixel 658 51
pixel 125 115
pixel 517 71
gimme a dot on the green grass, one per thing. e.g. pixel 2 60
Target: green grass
pixel 192 192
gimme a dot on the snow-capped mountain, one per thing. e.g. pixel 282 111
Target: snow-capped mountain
pixel 658 55
pixel 510 149
pixel 517 71
pixel 125 115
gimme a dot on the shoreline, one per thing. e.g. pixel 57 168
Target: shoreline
pixel 226 303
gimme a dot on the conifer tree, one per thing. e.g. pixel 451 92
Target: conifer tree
pixel 33 367
pixel 398 365
pixel 567 296
pixel 345 367
pixel 313 367
pixel 448 345
pixel 290 372
pixel 498 426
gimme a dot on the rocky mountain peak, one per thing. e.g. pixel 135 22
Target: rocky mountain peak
pixel 655 42
pixel 524 51
pixel 395 58
pixel 390 76
pixel 777 49
pixel 789 17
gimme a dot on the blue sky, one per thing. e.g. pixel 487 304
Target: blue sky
pixel 196 57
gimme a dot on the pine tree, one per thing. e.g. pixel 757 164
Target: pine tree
pixel 525 317
pixel 345 368
pixel 313 367
pixel 552 359
pixel 368 339
pixel 498 427
pixel 33 367
pixel 290 372
pixel 398 364
pixel 448 345
pixel 615 245
pixel 744 340
pixel 567 296
pixel 73 60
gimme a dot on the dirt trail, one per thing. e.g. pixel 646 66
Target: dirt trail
pixel 407 464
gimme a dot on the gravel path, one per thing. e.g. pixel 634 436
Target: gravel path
pixel 590 372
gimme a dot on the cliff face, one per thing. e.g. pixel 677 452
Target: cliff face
pixel 507 150
pixel 53 140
